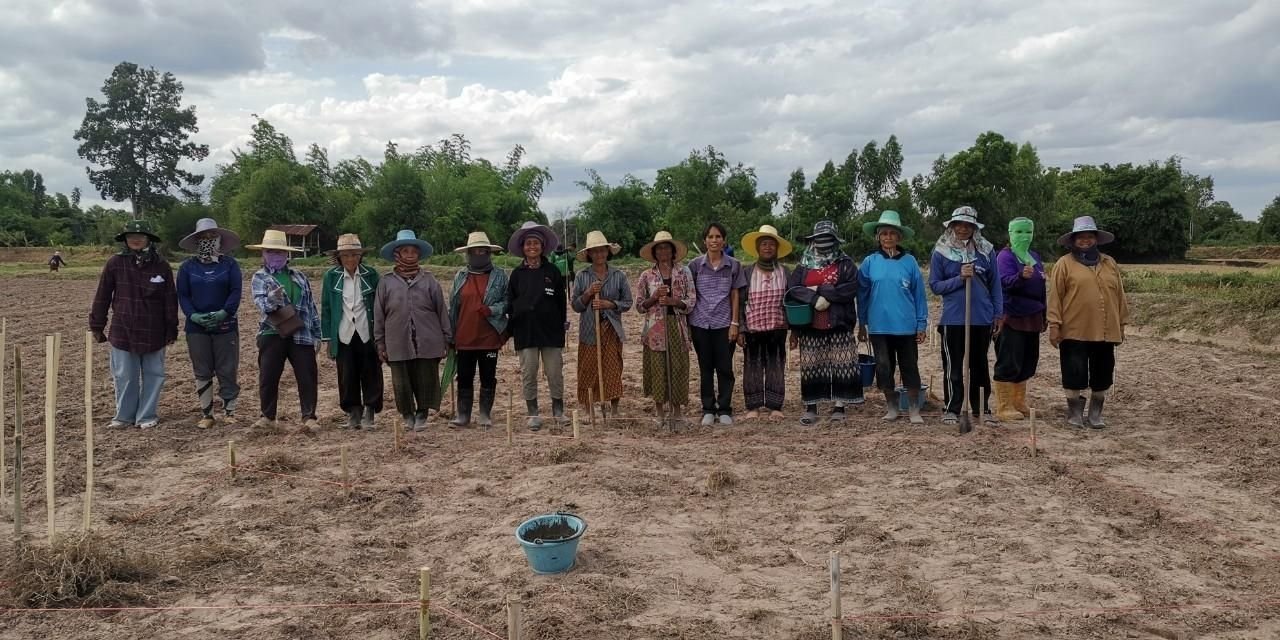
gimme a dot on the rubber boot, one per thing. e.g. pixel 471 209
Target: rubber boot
pixel 1020 397
pixel 463 412
pixel 370 420
pixel 1005 411
pixel 483 418
pixel 913 406
pixel 353 418
pixel 557 410
pixel 1075 408
pixel 1096 400
pixel 891 406
pixel 535 420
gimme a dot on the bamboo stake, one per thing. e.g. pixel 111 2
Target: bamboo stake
pixel 514 621
pixel 17 445
pixel 50 406
pixel 575 424
pixel 346 474
pixel 510 400
pixel 231 457
pixel 4 435
pixel 424 603
pixel 397 426
pixel 837 623
pixel 88 429
pixel 1033 432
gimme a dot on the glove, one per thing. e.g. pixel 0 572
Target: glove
pixel 200 318
pixel 214 319
pixel 99 336
pixel 821 304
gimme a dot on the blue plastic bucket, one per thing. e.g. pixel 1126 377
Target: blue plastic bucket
pixel 904 402
pixel 551 541
pixel 867 367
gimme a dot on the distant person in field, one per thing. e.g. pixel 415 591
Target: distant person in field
pixel 137 288
pixel 665 295
pixel 961 254
pixel 411 328
pixel 1087 313
pixel 826 280
pixel 209 287
pixel 346 324
pixel 539 317
pixel 478 310
pixel 893 312
pixel 1018 344
pixel 56 262
pixel 764 323
pixel 600 291
pixel 289 330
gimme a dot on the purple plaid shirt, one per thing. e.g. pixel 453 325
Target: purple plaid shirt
pixel 143 303
pixel 714 286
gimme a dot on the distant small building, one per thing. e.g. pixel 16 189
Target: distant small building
pixel 303 236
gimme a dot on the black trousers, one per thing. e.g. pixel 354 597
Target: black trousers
pixel 273 351
pixel 898 352
pixel 764 369
pixel 952 361
pixel 359 375
pixel 715 365
pixel 1087 365
pixel 485 361
pixel 1017 353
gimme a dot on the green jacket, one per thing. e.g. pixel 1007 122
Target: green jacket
pixel 331 303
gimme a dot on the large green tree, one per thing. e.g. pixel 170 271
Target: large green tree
pixel 705 188
pixel 623 212
pixel 1269 222
pixel 138 137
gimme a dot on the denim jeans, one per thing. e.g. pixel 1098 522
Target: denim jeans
pixel 138 379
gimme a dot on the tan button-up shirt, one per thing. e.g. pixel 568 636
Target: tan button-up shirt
pixel 1087 303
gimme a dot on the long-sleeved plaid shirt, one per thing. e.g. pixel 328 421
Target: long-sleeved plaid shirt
pixel 264 283
pixel 143 304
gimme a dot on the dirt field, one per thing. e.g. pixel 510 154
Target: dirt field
pixel 1106 535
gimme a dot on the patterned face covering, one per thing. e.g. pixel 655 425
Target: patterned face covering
pixel 207 250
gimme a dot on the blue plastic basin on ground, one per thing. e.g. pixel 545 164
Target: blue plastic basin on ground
pixel 903 401
pixel 553 555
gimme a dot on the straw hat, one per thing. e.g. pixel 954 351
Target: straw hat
pixel 766 231
pixel 660 237
pixel 964 214
pixel 888 218
pixel 137 226
pixel 406 238
pixel 597 239
pixel 1085 223
pixel 273 239
pixel 349 242
pixel 477 240
pixel 229 239
pixel 515 246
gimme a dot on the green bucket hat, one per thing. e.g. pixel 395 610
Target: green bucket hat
pixel 888 218
pixel 137 226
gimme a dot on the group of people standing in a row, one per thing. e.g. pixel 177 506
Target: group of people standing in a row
pixel 821 308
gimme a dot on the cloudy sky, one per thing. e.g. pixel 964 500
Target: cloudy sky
pixel 630 86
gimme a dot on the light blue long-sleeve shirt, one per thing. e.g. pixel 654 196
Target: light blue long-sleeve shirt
pixel 891 298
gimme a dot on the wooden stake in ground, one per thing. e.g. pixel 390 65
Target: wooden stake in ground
pixel 424 603
pixel 510 400
pixel 575 424
pixel 88 429
pixel 17 445
pixel 837 618
pixel 4 435
pixel 231 458
pixel 1033 432
pixel 514 621
pixel 346 474
pixel 50 408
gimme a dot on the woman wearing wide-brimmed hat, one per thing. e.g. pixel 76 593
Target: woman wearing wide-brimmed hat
pixel 665 295
pixel 961 254
pixel 137 288
pixel 826 280
pixel 346 305
pixel 1087 313
pixel 288 331
pixel 478 310
pixel 600 291
pixel 764 323
pixel 893 311
pixel 209 287
pixel 1018 345
pixel 411 328
pixel 539 317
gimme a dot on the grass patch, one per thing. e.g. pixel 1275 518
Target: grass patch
pixel 78 571
pixel 1206 302
pixel 720 480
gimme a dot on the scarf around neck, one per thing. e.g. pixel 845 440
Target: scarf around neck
pixel 1021 231
pixel 953 249
pixel 821 252
pixel 207 250
pixel 143 256
pixel 1088 258
pixel 407 269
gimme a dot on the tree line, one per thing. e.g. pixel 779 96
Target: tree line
pixel 139 138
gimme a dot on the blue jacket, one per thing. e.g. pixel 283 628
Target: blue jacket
pixel 891 295
pixel 205 288
pixel 987 301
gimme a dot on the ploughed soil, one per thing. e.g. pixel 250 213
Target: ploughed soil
pixel 1164 525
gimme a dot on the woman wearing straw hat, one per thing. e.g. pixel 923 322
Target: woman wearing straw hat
pixel 665 295
pixel 1018 345
pixel 1087 314
pixel 346 304
pixel 289 330
pixel 600 291
pixel 827 280
pixel 961 254
pixel 893 311
pixel 478 311
pixel 764 331
pixel 209 287
pixel 411 328
pixel 538 317
pixel 137 288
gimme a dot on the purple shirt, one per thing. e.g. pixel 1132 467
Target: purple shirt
pixel 1023 297
pixel 714 286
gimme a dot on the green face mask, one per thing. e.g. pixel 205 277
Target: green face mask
pixel 1021 230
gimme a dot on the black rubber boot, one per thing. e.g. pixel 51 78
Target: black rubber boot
pixel 463 410
pixel 353 418
pixel 1075 410
pixel 557 409
pixel 1096 400
pixel 535 420
pixel 484 416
